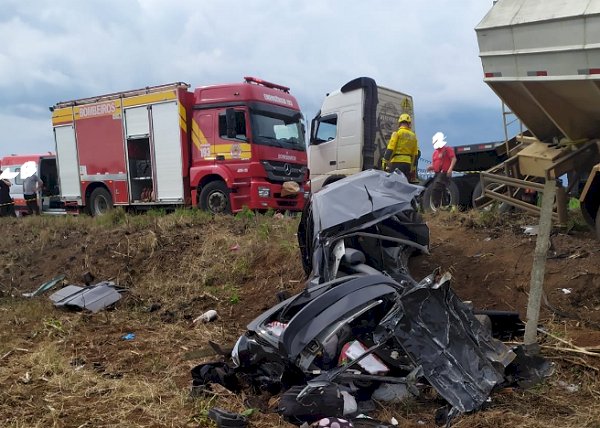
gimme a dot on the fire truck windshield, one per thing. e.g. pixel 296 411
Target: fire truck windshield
pixel 278 127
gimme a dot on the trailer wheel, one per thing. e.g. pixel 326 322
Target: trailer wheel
pixel 502 207
pixel 450 197
pixel 100 202
pixel 214 198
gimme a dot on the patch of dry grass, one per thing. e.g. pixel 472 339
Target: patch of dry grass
pixel 47 389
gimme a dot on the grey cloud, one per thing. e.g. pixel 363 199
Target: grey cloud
pixel 64 50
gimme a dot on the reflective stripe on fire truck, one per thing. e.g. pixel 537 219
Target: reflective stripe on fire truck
pixel 182 118
pixel 198 138
pixel 225 151
pixel 62 116
pixel 237 150
pixel 110 107
pixel 103 177
pixel 149 98
pixel 234 151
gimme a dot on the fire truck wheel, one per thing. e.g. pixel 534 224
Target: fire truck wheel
pixel 214 198
pixel 100 202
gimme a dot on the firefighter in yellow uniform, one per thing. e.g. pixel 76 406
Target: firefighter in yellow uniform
pixel 402 149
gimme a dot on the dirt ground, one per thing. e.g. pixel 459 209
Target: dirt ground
pixel 68 369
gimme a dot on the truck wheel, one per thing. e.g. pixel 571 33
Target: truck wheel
pixel 100 202
pixel 466 184
pixel 214 198
pixel 502 207
pixel 449 197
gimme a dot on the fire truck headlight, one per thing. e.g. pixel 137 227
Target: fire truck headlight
pixel 264 192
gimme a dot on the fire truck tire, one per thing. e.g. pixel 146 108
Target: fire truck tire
pixel 214 197
pixel 449 199
pixel 100 202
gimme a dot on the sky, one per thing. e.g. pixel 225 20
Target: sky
pixel 65 49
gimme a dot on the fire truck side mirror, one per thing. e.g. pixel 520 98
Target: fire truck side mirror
pixel 231 125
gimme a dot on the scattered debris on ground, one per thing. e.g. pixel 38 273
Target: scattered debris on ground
pixel 69 368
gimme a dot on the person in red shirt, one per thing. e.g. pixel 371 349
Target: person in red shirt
pixel 442 163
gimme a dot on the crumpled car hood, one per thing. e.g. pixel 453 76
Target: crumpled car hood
pixel 441 335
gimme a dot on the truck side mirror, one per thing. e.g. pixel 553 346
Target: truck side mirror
pixel 313 129
pixel 231 123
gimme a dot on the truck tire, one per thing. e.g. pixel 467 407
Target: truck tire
pixel 214 198
pixel 100 202
pixel 449 198
pixel 502 207
pixel 466 184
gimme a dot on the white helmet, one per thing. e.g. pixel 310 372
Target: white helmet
pixel 438 140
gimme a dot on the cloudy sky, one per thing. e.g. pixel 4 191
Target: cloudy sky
pixel 65 49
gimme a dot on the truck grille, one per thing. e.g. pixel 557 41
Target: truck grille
pixel 283 171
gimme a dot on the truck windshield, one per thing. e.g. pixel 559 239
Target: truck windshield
pixel 278 127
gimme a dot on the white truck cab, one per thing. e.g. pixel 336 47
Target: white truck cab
pixel 351 131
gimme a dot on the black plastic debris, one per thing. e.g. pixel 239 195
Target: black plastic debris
pixel 218 372
pixel 527 370
pixel 93 298
pixel 88 277
pixel 225 419
pixel 328 400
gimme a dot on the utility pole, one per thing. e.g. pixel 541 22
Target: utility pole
pixel 536 287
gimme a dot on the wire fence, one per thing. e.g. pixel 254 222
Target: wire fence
pixel 422 171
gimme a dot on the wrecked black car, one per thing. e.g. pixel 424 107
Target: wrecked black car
pixel 363 328
pixel 368 223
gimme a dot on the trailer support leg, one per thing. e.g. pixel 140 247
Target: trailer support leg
pixel 561 204
pixel 538 270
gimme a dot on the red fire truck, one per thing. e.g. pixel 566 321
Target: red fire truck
pixel 49 196
pixel 221 148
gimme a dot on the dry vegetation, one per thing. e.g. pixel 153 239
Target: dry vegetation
pixel 68 369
